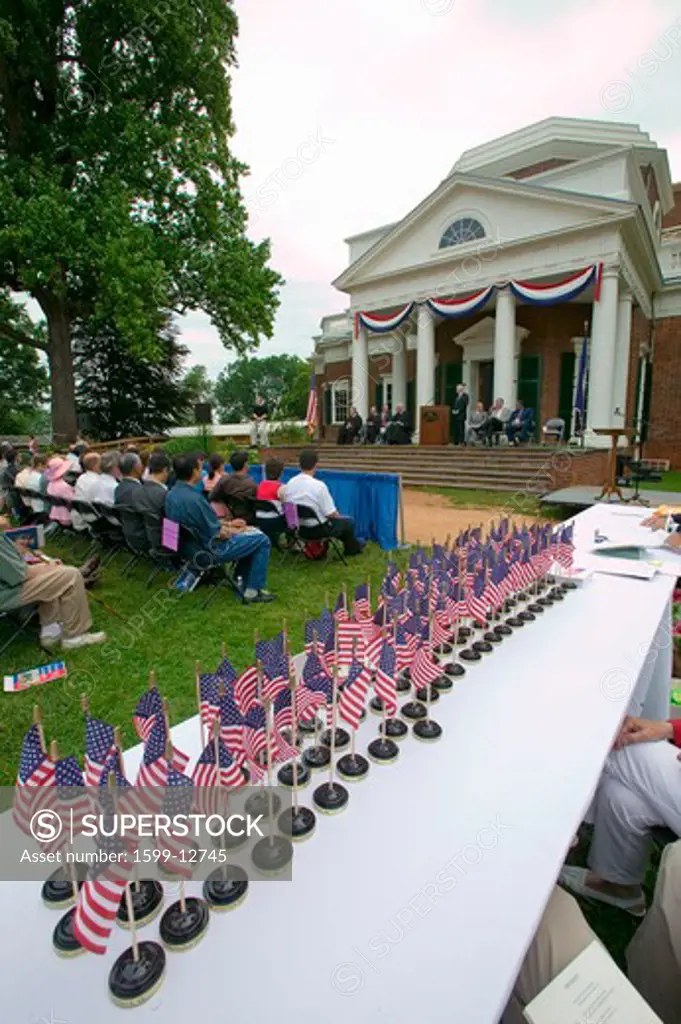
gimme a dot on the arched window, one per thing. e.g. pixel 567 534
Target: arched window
pixel 340 400
pixel 466 229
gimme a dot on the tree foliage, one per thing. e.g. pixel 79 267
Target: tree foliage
pixel 283 381
pixel 119 195
pixel 23 380
pixel 126 396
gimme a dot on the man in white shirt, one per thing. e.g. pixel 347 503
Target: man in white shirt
pixel 35 482
pixel 108 478
pixel 87 489
pixel 304 489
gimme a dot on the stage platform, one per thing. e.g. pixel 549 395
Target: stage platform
pixel 584 497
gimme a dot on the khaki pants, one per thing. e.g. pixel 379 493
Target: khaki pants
pixel 60 593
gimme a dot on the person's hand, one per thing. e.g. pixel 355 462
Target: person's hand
pixel 655 522
pixel 22 545
pixel 673 540
pixel 642 730
pixel 5 524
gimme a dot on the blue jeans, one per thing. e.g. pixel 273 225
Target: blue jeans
pixel 253 549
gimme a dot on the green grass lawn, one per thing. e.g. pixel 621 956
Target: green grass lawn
pixel 153 631
pixel 671 481
pixel 514 503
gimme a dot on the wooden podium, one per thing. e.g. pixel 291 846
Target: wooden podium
pixel 610 486
pixel 434 426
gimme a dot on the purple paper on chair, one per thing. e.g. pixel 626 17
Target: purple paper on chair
pixel 291 515
pixel 170 534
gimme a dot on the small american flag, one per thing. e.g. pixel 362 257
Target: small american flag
pixel 149 705
pixel 73 798
pixel 311 416
pixel 36 771
pixel 566 547
pixel 246 689
pixel 354 694
pixel 255 735
pixel 276 672
pixel 311 631
pixel 206 772
pixel 362 601
pixel 312 694
pixel 384 684
pixel 405 647
pixel 478 603
pixel 100 897
pixel 340 611
pixel 282 719
pixel 154 767
pixel 209 700
pixel 226 673
pixel 350 634
pixel 99 746
pixel 231 725
pixel 178 798
pixel 423 669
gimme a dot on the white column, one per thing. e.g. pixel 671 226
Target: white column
pixel 360 373
pixel 399 373
pixel 622 344
pixel 505 383
pixel 425 361
pixel 602 355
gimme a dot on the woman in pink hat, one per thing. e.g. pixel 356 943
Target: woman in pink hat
pixel 57 487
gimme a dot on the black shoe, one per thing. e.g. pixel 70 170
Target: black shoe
pixel 262 597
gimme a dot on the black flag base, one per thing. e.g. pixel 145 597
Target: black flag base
pixel 64 941
pixel 285 775
pixel 331 798
pixel 413 710
pixel 537 607
pixel 470 654
pixel 272 855
pixel 403 683
pixel 422 694
pixel 455 669
pixel 259 803
pixel 568 585
pixel 503 630
pixel 307 727
pixel 383 751
pixel 342 738
pixel 353 767
pixel 376 705
pixel 492 637
pixel 482 646
pixel 443 684
pixel 226 888
pixel 316 758
pixel 146 903
pixel 526 616
pixel 427 731
pixel 515 622
pixel 556 594
pixel 298 823
pixel 443 649
pixel 57 891
pixel 133 982
pixel 182 929
pixel 393 729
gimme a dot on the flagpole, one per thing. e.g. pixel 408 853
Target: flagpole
pixel 37 720
pixel 198 703
pixel 332 746
pixel 292 682
pixel 267 706
pixel 54 756
pixel 118 743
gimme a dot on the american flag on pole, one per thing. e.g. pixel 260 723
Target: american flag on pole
pixel 566 548
pixel 100 896
pixel 362 601
pixel 231 725
pixel 312 416
pixel 340 611
pixel 354 694
pixel 36 771
pixel 209 700
pixel 478 603
pixel 226 673
pixel 255 736
pixel 206 771
pixel 99 746
pixel 178 797
pixel 423 669
pixel 313 692
pixel 405 647
pixel 384 684
pixel 149 705
pixel 246 689
pixel 154 767
pixel 275 674
pixel 350 636
pixel 74 802
pixel 282 712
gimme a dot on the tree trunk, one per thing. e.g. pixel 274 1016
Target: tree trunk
pixel 62 383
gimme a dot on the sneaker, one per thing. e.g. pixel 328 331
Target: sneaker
pixel 262 597
pixel 50 636
pixel 71 643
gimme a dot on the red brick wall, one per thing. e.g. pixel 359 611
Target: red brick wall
pixel 544 165
pixel 664 432
pixel 673 218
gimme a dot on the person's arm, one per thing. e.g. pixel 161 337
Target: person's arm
pixel 12 564
pixel 327 506
pixel 642 730
pixel 206 521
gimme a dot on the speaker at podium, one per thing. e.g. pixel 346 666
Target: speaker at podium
pixel 434 425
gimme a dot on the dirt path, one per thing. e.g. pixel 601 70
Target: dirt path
pixel 430 515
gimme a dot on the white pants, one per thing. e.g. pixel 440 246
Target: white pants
pixel 259 434
pixel 640 787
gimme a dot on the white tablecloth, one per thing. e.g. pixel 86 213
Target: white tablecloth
pixel 419 901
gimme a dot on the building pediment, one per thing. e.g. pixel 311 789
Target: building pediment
pixel 482 216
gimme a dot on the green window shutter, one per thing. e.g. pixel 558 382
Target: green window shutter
pixel 379 395
pixel 565 394
pixel 529 384
pixel 327 406
pixel 411 402
pixel 438 384
pixel 453 375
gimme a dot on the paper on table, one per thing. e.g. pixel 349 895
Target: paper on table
pixel 637 570
pixel 592 988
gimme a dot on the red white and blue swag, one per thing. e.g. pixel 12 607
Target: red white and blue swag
pixel 380 323
pixel 561 291
pixel 451 308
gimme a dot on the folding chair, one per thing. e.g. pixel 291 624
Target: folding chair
pixel 19 619
pixel 162 559
pixel 131 519
pixel 204 565
pixel 321 531
pixel 271 520
pixel 109 530
pixel 62 530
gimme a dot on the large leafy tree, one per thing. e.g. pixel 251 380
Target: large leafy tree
pixel 23 380
pixel 283 381
pixel 125 396
pixel 119 194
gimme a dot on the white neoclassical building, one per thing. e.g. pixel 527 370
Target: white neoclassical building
pixel 562 235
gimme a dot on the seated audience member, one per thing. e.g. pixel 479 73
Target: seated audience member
pixel 477 422
pixel 109 478
pixel 271 521
pixel 639 789
pixel 373 426
pixel 520 424
pixel 3 466
pixel 653 955
pixel 154 491
pixel 33 445
pixel 399 430
pixel 58 590
pixel 497 419
pixel 304 489
pixel 350 430
pixel 9 475
pixel 59 487
pixel 385 419
pixel 23 507
pixel 146 455
pixel 36 482
pixel 87 488
pixel 227 542
pixel 130 501
pixel 216 470
pixel 237 489
pixel 259 418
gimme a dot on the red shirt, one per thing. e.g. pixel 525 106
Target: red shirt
pixel 268 490
pixel 676 726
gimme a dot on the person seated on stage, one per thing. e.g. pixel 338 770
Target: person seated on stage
pixel 653 955
pixel 497 420
pixel 350 430
pixel 237 490
pixel 87 488
pixel 639 789
pixel 477 423
pixel 216 470
pixel 399 429
pixel 59 487
pixel 372 426
pixel 385 420
pixel 58 590
pixel 259 418
pixel 271 521
pixel 520 424
pixel 304 489
pixel 229 541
